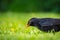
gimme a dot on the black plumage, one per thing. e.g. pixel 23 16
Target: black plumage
pixel 45 24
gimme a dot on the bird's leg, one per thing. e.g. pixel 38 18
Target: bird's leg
pixel 53 31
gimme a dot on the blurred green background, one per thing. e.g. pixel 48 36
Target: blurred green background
pixel 30 5
pixel 14 15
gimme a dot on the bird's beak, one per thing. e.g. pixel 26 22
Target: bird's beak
pixel 27 26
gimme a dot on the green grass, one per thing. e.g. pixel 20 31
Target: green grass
pixel 12 27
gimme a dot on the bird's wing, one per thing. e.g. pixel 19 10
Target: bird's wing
pixel 46 22
pixel 49 22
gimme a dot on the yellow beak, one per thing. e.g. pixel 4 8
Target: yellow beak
pixel 27 26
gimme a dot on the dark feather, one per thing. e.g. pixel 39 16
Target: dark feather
pixel 45 24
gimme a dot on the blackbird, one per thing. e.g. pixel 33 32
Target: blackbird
pixel 45 24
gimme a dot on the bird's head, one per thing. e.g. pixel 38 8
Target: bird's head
pixel 31 22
